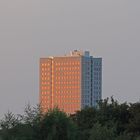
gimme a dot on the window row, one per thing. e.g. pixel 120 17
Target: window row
pixel 66 63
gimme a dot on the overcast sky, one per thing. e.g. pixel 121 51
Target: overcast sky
pixel 30 29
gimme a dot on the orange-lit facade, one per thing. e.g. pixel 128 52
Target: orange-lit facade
pixel 61 83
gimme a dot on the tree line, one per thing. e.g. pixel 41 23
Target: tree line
pixel 110 120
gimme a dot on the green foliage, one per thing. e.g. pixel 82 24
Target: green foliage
pixel 109 121
pixel 122 118
pixel 85 118
pixel 22 126
pixel 113 113
pixel 138 138
pixel 7 124
pixel 124 137
pixel 99 132
pixel 9 121
pixel 133 126
pixel 56 125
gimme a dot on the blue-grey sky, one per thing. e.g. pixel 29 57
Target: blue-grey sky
pixel 30 29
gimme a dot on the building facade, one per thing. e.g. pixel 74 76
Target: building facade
pixel 70 82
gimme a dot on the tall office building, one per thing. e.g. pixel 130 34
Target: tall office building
pixel 70 82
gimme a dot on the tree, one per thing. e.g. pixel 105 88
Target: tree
pixel 9 121
pixel 7 124
pixel 114 114
pixel 22 127
pixel 124 137
pixel 133 126
pixel 31 119
pixel 84 119
pixel 99 132
pixel 56 125
pixel 110 121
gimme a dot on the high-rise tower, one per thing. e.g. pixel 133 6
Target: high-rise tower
pixel 70 82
